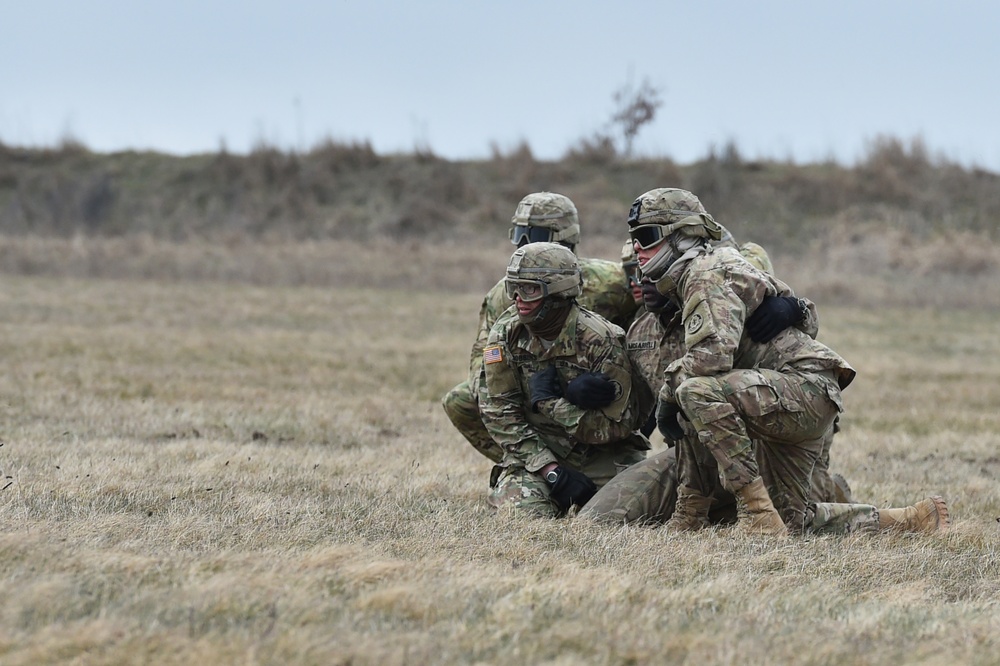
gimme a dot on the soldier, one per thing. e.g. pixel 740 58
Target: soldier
pixel 537 394
pixel 647 492
pixel 726 387
pixel 550 217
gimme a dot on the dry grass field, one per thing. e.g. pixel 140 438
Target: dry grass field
pixel 203 471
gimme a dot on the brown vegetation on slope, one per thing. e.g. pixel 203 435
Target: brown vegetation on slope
pixel 898 228
pixel 347 191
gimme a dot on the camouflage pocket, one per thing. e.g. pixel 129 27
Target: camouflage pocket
pixel 751 393
pixel 759 400
pixel 834 394
pixel 713 413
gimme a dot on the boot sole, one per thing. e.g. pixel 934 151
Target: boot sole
pixel 941 509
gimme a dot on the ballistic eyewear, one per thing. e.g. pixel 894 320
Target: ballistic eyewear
pixel 649 235
pixel 631 269
pixel 528 290
pixel 524 234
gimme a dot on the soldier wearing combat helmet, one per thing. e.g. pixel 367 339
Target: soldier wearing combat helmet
pixel 537 392
pixel 539 217
pixel 647 492
pixel 785 392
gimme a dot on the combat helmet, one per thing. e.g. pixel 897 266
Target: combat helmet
pixel 541 269
pixel 545 217
pixel 657 214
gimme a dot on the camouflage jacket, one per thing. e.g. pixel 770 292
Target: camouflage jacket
pixel 717 290
pixel 560 431
pixel 654 342
pixel 652 346
pixel 605 291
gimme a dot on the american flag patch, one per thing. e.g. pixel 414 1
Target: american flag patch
pixel 492 355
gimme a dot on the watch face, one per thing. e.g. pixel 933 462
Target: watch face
pixel 552 476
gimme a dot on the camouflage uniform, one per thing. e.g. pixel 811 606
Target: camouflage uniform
pixel 597 442
pixel 605 292
pixel 784 393
pixel 647 492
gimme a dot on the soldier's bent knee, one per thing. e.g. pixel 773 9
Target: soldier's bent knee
pixel 697 392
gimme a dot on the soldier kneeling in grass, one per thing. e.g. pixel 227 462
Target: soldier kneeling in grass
pixel 753 415
pixel 547 365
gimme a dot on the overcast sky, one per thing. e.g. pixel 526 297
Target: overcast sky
pixel 802 79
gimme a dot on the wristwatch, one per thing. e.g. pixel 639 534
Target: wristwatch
pixel 552 475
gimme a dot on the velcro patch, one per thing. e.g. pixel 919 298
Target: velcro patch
pixel 694 323
pixel 698 322
pixel 641 344
pixel 492 355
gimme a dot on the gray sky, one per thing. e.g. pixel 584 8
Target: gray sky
pixel 800 79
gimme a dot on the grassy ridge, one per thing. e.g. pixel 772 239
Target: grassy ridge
pixel 218 473
pixel 347 191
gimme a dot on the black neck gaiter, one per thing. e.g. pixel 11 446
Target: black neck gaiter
pixel 548 320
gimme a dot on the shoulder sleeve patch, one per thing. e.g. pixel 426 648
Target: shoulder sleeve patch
pixel 622 383
pixel 501 377
pixel 698 323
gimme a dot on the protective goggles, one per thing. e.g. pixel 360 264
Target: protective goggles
pixel 631 269
pixel 522 234
pixel 649 235
pixel 528 290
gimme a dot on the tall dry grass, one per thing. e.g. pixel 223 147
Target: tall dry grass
pixel 202 471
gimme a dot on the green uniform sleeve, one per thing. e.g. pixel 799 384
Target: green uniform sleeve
pixel 606 291
pixel 502 405
pixel 713 315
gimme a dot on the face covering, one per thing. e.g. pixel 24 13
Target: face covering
pixel 664 257
pixel 652 299
pixel 548 319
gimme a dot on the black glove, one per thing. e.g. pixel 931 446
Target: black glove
pixel 666 421
pixel 649 426
pixel 571 487
pixel 772 316
pixel 544 385
pixel 591 390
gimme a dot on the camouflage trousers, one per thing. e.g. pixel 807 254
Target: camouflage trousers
pixel 827 487
pixel 646 493
pixel 462 407
pixel 516 488
pixel 790 416
pixel 837 518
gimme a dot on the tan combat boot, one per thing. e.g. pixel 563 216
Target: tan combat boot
pixel 690 512
pixel 926 516
pixel 759 515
